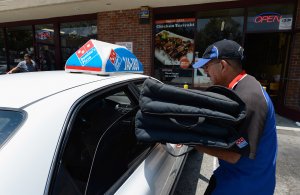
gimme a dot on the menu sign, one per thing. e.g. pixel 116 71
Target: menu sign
pixel 174 43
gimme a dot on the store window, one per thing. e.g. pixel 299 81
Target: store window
pixel 3 62
pixel 74 35
pixel 267 44
pixel 270 18
pixel 174 49
pixel 20 41
pixel 267 58
pixel 213 26
pixel 45 37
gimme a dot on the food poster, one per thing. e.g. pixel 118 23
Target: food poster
pixel 174 48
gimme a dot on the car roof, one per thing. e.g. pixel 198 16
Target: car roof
pixel 21 89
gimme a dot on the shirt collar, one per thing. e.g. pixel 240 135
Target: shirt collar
pixel 237 79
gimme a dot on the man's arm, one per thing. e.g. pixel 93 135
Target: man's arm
pixel 229 156
pixel 15 69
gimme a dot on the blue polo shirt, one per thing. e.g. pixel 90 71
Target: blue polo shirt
pixel 254 173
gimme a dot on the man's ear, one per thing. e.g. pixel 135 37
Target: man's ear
pixel 224 65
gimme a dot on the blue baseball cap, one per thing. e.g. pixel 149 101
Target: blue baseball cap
pixel 224 49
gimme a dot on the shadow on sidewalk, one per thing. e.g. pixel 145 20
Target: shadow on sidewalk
pixel 187 184
pixel 285 122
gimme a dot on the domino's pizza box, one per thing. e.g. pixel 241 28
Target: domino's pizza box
pixel 102 58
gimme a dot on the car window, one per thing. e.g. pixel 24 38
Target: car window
pixel 115 154
pixel 91 121
pixel 9 122
pixel 139 86
pixel 120 98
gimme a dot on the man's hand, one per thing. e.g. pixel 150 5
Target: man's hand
pixel 15 69
pixel 229 156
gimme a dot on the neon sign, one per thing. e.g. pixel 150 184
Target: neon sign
pixel 268 17
pixel 43 35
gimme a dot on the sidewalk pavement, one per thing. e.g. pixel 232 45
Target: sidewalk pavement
pixel 283 123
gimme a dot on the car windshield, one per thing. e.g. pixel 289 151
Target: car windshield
pixel 10 120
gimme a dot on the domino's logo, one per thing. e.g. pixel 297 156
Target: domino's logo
pixel 86 53
pixel 115 59
pixel 241 142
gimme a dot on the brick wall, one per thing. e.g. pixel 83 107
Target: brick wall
pixel 292 96
pixel 124 26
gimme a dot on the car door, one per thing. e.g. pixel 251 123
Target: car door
pixel 158 173
pixel 91 117
pixel 100 151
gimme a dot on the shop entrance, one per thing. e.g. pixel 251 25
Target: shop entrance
pixel 46 56
pixel 266 58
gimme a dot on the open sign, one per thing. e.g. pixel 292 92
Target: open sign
pixel 268 17
pixel 43 35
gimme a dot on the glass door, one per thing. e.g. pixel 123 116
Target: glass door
pixel 46 56
pixel 20 42
pixel 45 46
pixel 267 59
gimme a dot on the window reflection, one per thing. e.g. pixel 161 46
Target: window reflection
pixel 213 26
pixel 74 35
pixel 20 41
pixel 218 25
pixel 3 62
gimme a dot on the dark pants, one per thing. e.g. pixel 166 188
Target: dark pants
pixel 211 185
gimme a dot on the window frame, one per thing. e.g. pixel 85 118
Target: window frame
pixel 132 93
pixel 16 129
pixel 133 164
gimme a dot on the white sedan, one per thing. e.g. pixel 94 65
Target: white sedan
pixel 73 133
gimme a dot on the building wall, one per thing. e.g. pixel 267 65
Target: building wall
pixel 124 26
pixel 292 95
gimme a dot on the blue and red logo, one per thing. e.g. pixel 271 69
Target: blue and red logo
pixel 115 59
pixel 89 58
pixel 84 49
pixel 241 142
pixel 85 58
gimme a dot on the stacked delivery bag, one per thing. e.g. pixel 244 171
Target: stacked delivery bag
pixel 170 114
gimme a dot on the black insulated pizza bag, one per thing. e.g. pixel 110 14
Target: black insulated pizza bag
pixel 169 114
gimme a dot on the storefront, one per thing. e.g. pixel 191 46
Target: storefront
pixel 265 31
pixel 50 41
pixel 169 37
